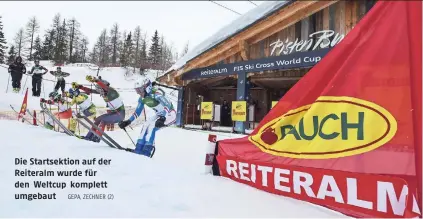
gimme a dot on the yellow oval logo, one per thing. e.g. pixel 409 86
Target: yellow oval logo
pixel 331 127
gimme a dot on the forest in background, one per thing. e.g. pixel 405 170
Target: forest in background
pixel 63 42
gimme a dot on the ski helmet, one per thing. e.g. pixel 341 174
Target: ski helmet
pixel 36 62
pixel 143 86
pixel 74 92
pixel 54 96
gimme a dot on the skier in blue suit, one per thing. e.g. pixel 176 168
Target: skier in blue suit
pixel 165 115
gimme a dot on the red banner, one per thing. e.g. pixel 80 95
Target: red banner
pixel 370 195
pixel 24 104
pixel 356 114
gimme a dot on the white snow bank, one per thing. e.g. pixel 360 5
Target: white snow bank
pixel 171 184
pixel 122 82
pixel 264 9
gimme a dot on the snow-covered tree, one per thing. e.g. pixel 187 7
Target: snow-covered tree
pixel 37 48
pixel 20 41
pixel 11 55
pixel 155 51
pixel 3 46
pixel 32 28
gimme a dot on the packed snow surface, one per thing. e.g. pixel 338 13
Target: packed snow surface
pixel 171 184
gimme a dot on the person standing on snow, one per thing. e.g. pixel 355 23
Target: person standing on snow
pixel 165 115
pixel 116 108
pixel 61 83
pixel 65 111
pixel 37 72
pixel 17 69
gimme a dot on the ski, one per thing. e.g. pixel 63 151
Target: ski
pixel 96 134
pixel 101 131
pixel 50 114
pixel 18 114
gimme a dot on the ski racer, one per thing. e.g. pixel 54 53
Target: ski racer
pixel 164 115
pixel 82 100
pixel 61 82
pixel 65 111
pixel 16 70
pixel 116 108
pixel 37 72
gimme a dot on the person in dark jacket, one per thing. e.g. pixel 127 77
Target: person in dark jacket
pixel 17 69
pixel 37 72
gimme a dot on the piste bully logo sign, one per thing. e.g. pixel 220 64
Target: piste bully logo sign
pixel 323 40
pixel 331 127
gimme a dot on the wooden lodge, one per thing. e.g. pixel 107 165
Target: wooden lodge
pixel 263 60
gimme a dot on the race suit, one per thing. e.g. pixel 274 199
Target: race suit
pixel 165 115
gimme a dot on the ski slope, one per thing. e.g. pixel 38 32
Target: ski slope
pixel 171 184
pixel 78 72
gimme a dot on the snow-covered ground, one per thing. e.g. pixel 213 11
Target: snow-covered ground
pixel 78 72
pixel 171 184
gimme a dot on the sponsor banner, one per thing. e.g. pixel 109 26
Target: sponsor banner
pixel 342 126
pixel 368 195
pixel 357 111
pixel 206 110
pixel 294 60
pixel 239 111
pixel 274 103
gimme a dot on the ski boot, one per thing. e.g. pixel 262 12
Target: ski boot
pixel 91 137
pixel 48 126
pixel 147 150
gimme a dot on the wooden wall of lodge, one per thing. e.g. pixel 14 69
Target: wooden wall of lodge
pixel 340 17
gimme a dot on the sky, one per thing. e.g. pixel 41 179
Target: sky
pixel 179 21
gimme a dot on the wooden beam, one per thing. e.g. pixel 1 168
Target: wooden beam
pixel 291 20
pixel 277 79
pixel 244 48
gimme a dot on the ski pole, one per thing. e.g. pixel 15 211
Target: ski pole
pixel 129 137
pixel 8 80
pixel 42 84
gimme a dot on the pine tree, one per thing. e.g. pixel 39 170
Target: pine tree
pixel 137 47
pixel 3 46
pixel 103 49
pixel 126 55
pixel 83 49
pixel 20 41
pixel 32 28
pixel 155 51
pixel 47 51
pixel 114 42
pixel 74 35
pixel 11 55
pixel 37 48
pixel 60 52
pixel 143 56
pixel 185 50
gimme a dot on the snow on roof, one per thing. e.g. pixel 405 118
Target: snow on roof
pixel 263 10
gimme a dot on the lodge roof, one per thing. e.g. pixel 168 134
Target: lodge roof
pixel 238 25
